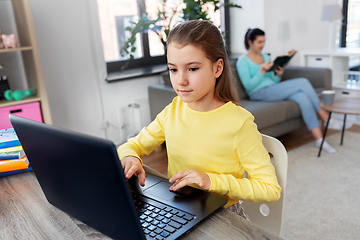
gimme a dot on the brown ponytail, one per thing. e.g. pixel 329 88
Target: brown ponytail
pixel 251 35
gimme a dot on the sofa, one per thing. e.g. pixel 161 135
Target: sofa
pixel 272 118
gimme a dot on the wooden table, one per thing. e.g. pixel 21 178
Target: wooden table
pixel 26 214
pixel 343 106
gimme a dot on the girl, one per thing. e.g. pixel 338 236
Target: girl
pixel 261 85
pixel 211 140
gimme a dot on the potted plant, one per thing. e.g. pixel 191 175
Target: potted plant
pixel 187 10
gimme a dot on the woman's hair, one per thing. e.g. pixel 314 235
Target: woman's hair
pixel 251 35
pixel 208 38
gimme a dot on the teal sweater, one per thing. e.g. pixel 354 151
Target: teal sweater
pixel 250 75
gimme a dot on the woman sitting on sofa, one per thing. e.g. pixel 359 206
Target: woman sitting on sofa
pixel 262 85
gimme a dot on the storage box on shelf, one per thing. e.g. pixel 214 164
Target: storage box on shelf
pixel 28 50
pixel 345 92
pixel 318 61
pixel 29 110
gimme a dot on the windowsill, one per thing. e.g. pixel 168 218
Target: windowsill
pixel 136 73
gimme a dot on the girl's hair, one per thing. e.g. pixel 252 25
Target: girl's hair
pixel 208 38
pixel 251 35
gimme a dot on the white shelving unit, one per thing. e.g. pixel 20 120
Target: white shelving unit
pixel 338 61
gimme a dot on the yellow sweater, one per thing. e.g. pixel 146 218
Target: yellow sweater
pixel 224 143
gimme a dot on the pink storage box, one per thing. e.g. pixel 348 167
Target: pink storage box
pixel 27 110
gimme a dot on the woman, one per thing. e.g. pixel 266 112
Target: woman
pixel 262 85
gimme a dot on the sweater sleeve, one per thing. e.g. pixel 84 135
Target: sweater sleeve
pixel 251 77
pixel 272 76
pixel 146 141
pixel 261 184
pixel 249 82
pixel 276 79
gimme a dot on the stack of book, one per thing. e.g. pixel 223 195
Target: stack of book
pixel 12 157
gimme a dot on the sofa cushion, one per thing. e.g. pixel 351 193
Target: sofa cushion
pixel 271 113
pixel 265 113
pixel 160 95
pixel 166 78
pixel 320 78
pixel 292 109
pixel 240 88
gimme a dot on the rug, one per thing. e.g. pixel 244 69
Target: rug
pixel 323 194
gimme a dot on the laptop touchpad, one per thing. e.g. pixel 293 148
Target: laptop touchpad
pixel 161 190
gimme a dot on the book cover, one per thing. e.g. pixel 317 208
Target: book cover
pixel 282 60
pixel 11 149
pixel 8 138
pixel 12 155
pixel 4 174
pixel 14 164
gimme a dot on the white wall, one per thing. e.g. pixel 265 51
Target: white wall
pixel 292 24
pixel 251 15
pixel 74 70
pixel 288 24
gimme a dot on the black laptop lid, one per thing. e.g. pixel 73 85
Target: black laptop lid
pixel 91 182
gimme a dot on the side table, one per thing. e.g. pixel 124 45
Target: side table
pixel 343 106
pixel 347 91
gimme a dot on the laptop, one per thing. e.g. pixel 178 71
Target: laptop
pixel 82 176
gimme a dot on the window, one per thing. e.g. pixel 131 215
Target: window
pixel 121 23
pixel 116 15
pixel 350 30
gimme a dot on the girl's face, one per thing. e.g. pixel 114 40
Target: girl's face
pixel 193 76
pixel 258 44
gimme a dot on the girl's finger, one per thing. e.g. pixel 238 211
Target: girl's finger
pixel 131 171
pixel 141 176
pixel 178 176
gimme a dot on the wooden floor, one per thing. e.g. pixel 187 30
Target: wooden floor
pixel 158 159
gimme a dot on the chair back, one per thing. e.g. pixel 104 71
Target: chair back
pixel 269 215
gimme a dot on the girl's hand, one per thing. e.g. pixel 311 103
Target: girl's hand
pixel 279 71
pixel 265 67
pixel 182 179
pixel 131 166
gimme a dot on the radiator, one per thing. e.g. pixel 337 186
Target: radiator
pixel 144 111
pixel 133 117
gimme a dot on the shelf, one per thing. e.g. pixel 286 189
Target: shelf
pixel 29 61
pixel 6 103
pixel 346 86
pixel 19 49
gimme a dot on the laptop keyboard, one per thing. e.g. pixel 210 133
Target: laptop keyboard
pixel 159 221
